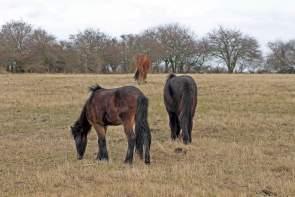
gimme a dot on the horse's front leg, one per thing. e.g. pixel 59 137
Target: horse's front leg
pixel 131 142
pixel 102 144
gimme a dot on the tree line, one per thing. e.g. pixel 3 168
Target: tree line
pixel 171 47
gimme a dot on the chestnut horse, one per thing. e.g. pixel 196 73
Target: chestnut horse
pixel 143 64
pixel 120 106
pixel 180 98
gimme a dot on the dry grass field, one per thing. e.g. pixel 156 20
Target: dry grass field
pixel 243 139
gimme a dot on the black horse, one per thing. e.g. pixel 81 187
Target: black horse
pixel 180 97
pixel 125 106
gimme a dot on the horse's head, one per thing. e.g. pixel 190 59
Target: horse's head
pixel 80 138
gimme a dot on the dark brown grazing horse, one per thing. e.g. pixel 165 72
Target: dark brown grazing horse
pixel 180 97
pixel 120 106
pixel 143 64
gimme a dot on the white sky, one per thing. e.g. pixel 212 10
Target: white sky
pixel 267 20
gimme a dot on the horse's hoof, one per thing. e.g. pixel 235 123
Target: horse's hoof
pixel 147 162
pixel 102 159
pixel 186 142
pixel 128 162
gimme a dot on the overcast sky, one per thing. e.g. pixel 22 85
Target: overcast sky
pixel 266 20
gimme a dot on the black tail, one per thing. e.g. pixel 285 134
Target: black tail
pixel 171 75
pixel 136 75
pixel 142 130
pixel 93 88
pixel 186 113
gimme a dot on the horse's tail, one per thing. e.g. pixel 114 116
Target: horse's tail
pixel 186 113
pixel 170 76
pixel 136 75
pixel 93 88
pixel 142 130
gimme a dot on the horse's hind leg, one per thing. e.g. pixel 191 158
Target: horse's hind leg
pixel 141 79
pixel 174 125
pixel 190 131
pixel 102 144
pixel 144 77
pixel 131 142
pixel 186 129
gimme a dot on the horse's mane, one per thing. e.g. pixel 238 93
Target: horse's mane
pixel 82 124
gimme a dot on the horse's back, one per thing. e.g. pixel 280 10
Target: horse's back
pixel 178 85
pixel 125 95
pixel 129 90
pixel 125 90
pixel 110 106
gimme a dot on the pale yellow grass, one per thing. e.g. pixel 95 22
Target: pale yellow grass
pixel 243 139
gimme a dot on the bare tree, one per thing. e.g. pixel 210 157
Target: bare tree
pixel 233 48
pixel 42 47
pixel 15 36
pixel 174 45
pixel 282 56
pixel 149 44
pixel 178 43
pixel 16 33
pixel 199 56
pixel 90 44
pixel 4 53
pixel 69 56
pixel 130 45
pixel 111 55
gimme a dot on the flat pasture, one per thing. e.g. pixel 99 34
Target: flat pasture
pixel 243 139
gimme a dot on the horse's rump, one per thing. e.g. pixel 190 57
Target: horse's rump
pixel 177 90
pixel 180 98
pixel 142 64
pixel 110 106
